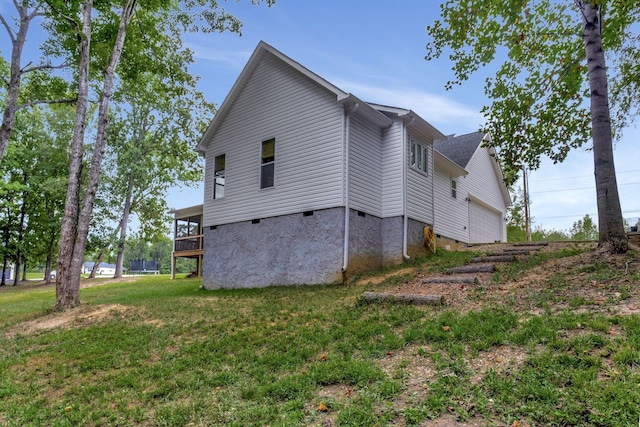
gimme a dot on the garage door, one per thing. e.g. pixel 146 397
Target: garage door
pixel 485 224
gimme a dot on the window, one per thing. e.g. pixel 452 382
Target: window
pixel 268 163
pixel 454 188
pixel 419 158
pixel 218 177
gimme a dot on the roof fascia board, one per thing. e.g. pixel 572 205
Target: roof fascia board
pixel 421 123
pixel 367 111
pixel 187 212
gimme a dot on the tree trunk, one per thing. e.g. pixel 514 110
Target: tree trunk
pixel 47 269
pixel 123 229
pixel 24 271
pixel 5 257
pixel 76 238
pixel 4 270
pixel 11 103
pixel 68 286
pixel 612 237
pixel 96 265
pixel 23 214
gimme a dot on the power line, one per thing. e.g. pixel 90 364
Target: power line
pixel 580 176
pixel 637 211
pixel 576 189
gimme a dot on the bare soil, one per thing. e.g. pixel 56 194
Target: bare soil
pixel 588 281
pixel 79 316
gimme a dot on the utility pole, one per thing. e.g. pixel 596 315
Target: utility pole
pixel 527 222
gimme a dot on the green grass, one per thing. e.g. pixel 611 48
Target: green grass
pixel 172 354
pixel 516 269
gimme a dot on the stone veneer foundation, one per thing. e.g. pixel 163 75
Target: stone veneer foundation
pixel 302 248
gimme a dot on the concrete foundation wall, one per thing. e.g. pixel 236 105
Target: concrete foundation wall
pixel 415 239
pixel 283 250
pixel 298 249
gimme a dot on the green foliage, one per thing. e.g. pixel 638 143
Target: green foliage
pixel 584 229
pixel 34 169
pixel 538 93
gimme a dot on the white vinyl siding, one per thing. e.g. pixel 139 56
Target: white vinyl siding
pixel 452 220
pixel 365 165
pixel 482 184
pixel 277 102
pixel 392 170
pixel 419 187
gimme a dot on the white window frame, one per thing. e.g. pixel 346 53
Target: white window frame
pixel 419 156
pixel 264 164
pixel 219 177
pixel 454 188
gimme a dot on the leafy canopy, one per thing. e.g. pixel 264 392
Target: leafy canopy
pixel 538 94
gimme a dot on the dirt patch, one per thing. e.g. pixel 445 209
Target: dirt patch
pixel 75 317
pixel 587 281
pixel 84 283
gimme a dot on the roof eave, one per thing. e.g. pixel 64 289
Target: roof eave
pixel 443 162
pixel 419 122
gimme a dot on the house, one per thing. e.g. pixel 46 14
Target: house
pixel 470 195
pixel 305 183
pixel 104 269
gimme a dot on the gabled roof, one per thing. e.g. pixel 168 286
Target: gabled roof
pixel 259 53
pixel 460 149
pixel 412 119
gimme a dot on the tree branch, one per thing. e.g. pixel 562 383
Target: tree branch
pixel 26 70
pixel 66 17
pixel 8 28
pixel 43 101
pixel 36 12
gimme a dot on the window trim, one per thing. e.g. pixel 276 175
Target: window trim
pixel 419 156
pixel 216 177
pixel 267 163
pixel 454 188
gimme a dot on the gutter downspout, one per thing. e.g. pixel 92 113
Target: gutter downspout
pixel 405 215
pixel 433 194
pixel 345 248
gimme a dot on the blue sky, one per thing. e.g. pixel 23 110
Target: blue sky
pixel 375 50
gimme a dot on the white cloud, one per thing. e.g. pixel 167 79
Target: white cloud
pixel 234 59
pixel 442 112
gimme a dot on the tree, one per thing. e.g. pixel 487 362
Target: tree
pixel 540 234
pixel 159 122
pixel 554 60
pixel 584 229
pixel 110 22
pixel 516 224
pixel 27 11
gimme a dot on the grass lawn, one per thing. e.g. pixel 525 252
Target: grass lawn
pixel 162 352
